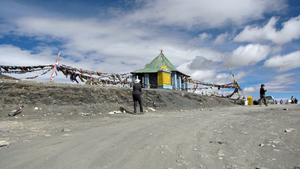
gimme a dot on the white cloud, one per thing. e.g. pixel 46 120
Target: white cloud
pixel 281 83
pixel 249 89
pixel 204 36
pixel 285 79
pixel 199 39
pixel 178 54
pixel 204 14
pixel 128 39
pixel 77 30
pixel 240 75
pixel 85 40
pixel 186 14
pixel 222 78
pixel 211 75
pixel 198 74
pixel 222 38
pixel 11 55
pixel 204 75
pixel 247 55
pixel 289 32
pixel 88 39
pixel 124 39
pixel 285 62
pixel 201 63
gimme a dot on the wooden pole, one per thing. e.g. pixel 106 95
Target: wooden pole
pixel 54 68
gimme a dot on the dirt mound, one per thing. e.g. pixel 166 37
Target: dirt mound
pixel 44 98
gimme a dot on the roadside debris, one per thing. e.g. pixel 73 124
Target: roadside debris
pixel 216 142
pixel 151 108
pixel 17 112
pixel 122 109
pixel 4 143
pixel 288 130
pixel 115 112
pixel 154 104
pixel 84 114
pixel 65 130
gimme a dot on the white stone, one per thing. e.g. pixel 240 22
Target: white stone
pixel 4 143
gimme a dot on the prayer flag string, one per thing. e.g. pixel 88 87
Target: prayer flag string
pixel 104 78
pixel 26 69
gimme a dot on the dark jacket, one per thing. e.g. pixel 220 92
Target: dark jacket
pixel 262 91
pixel 137 89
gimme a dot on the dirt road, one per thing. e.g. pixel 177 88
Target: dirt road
pixel 232 137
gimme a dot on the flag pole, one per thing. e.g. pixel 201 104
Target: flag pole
pixel 54 68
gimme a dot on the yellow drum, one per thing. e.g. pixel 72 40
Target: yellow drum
pixel 250 100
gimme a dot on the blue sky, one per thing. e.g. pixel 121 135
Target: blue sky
pixel 259 39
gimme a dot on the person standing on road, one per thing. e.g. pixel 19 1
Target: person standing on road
pixel 263 94
pixel 136 94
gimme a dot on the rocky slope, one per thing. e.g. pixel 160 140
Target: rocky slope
pixel 44 98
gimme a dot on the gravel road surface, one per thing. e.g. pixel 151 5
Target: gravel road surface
pixel 241 137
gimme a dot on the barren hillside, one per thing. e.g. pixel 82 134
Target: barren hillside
pixel 43 98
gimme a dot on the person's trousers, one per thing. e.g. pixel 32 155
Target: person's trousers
pixel 263 97
pixel 137 98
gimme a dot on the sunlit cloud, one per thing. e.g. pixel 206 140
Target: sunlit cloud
pixel 285 62
pixel 290 31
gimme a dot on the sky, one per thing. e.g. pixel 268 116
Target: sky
pixel 258 39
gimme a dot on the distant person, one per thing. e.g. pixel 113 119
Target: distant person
pixel 136 94
pixel 295 101
pixel 281 101
pixel 262 94
pixel 292 99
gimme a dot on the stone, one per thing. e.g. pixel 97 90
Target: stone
pixel 4 143
pixel 111 112
pixel 151 108
pixel 65 130
pixel 288 130
pixel 84 114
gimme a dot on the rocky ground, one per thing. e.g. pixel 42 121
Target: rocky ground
pixel 68 126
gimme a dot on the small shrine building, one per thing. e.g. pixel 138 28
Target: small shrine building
pixel 160 73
